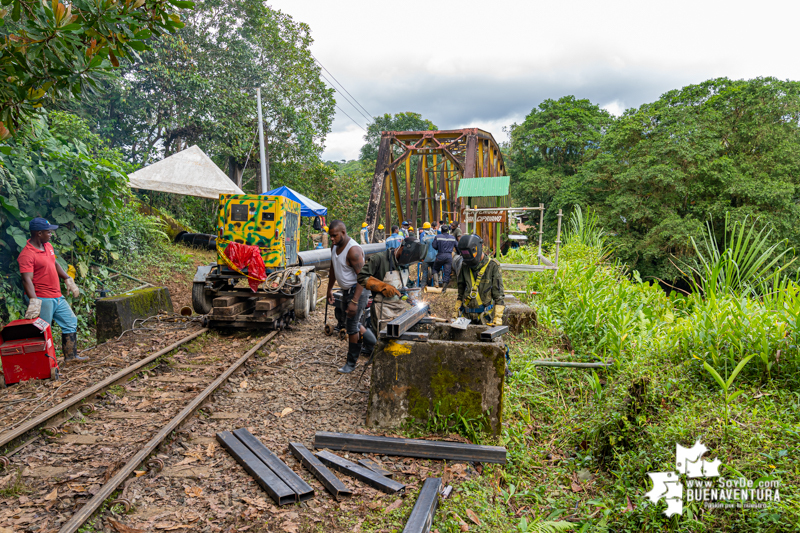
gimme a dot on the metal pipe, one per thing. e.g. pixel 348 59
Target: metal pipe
pixel 264 176
pixel 321 259
pixel 569 364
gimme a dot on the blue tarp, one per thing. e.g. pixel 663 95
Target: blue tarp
pixel 308 207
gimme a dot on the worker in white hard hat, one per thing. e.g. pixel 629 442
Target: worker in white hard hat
pixel 364 233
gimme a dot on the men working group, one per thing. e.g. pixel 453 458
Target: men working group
pixel 479 282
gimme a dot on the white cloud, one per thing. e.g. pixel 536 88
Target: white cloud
pixel 473 63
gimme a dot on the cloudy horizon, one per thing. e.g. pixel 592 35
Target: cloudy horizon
pixel 487 65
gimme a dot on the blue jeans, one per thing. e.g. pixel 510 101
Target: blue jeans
pixel 59 310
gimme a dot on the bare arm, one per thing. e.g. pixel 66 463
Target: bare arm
pixel 355 259
pixel 331 281
pixel 27 284
pixel 61 273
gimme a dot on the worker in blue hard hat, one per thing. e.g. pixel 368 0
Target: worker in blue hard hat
pixel 404 230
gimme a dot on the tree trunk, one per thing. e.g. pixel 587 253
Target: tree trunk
pixel 235 171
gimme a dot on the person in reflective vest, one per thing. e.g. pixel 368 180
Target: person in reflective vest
pixel 480 284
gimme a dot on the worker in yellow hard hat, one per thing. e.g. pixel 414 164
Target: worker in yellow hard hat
pixel 364 233
pixel 379 235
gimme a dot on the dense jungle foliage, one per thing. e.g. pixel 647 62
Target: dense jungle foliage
pixel 658 173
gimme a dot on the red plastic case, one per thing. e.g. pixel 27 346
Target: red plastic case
pixel 27 351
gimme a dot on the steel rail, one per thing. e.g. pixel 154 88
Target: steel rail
pixel 10 436
pixel 106 490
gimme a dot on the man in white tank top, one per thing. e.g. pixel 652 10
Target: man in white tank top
pixel 347 259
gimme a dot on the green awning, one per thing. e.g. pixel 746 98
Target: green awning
pixel 481 187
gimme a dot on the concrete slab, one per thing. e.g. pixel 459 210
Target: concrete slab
pixel 451 374
pixel 116 314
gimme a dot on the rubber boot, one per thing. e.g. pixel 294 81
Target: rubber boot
pixel 368 342
pixel 353 350
pixel 69 347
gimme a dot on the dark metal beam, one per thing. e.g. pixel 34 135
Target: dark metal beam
pixel 453 451
pixel 320 471
pixel 287 475
pixel 266 478
pixel 493 333
pixel 421 518
pixel 404 322
pixel 384 152
pixel 376 481
pixel 375 467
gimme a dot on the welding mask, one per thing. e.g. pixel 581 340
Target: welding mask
pixel 412 251
pixel 470 248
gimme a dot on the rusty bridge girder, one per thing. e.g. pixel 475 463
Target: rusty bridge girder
pixel 443 159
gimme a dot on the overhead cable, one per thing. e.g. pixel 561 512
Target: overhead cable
pixel 342 86
pixel 351 118
pixel 345 97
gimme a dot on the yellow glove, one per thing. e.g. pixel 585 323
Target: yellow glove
pixel 498 315
pixel 459 303
pixel 72 287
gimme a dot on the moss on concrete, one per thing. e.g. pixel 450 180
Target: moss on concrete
pixel 116 314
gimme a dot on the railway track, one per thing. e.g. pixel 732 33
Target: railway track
pixel 78 454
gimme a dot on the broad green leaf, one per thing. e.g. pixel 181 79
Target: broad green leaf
pixel 715 375
pixel 739 368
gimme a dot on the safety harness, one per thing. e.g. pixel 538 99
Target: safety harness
pixel 474 294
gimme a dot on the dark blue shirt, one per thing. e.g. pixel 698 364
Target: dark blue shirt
pixel 444 244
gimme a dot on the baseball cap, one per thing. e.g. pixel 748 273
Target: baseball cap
pixel 40 224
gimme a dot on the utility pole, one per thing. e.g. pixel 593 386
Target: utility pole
pixel 264 169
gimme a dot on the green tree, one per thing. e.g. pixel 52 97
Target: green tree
pixel 52 50
pixel 406 121
pixel 698 153
pixel 199 88
pixel 546 152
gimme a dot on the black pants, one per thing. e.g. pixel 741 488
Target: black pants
pixel 352 323
pixel 446 264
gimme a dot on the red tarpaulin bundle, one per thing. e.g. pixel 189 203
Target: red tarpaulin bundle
pixel 245 255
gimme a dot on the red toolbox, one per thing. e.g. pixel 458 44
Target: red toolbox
pixel 27 351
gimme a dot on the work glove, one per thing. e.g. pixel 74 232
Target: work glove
pixel 72 287
pixel 498 315
pixel 459 303
pixel 376 285
pixel 34 309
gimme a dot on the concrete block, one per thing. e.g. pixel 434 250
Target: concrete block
pixel 518 316
pixel 415 379
pixel 116 314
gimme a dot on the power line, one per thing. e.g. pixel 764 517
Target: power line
pixel 345 97
pixel 351 118
pixel 342 86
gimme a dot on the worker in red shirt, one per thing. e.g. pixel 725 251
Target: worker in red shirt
pixel 40 279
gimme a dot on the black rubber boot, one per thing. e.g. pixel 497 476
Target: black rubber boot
pixel 368 342
pixel 69 347
pixel 353 350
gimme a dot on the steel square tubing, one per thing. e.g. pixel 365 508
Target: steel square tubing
pixel 403 323
pixel 376 481
pixel 320 471
pixel 277 489
pixel 453 451
pixel 493 333
pixel 375 467
pixel 421 518
pixel 293 481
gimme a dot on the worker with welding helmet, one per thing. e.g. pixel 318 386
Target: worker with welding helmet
pixel 480 284
pixel 40 281
pixel 381 275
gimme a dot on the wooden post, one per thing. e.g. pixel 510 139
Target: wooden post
pixel 388 188
pixel 541 228
pixel 378 181
pixel 558 240
pixel 397 204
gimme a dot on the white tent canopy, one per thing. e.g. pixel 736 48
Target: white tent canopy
pixel 189 172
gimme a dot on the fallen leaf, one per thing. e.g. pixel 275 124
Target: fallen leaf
pixel 52 496
pixel 464 526
pixel 243 384
pixel 576 487
pixel 273 354
pixel 286 411
pixel 289 527
pixel 472 516
pixel 187 460
pixel 357 527
pixel 119 527
pixel 140 473
pixel 194 492
pixel 212 447
pixel 630 507
pixel 393 506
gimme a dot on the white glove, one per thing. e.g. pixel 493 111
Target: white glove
pixel 72 287
pixel 34 309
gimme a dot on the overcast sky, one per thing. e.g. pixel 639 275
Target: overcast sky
pixel 487 64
